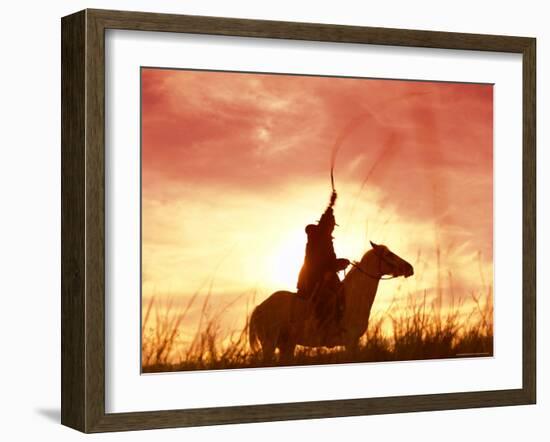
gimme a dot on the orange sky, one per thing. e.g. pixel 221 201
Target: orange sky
pixel 235 165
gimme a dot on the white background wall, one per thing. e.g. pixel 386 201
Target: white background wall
pixel 30 217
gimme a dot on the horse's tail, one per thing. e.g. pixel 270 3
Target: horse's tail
pixel 253 339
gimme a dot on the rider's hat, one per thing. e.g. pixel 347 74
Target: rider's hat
pixel 311 228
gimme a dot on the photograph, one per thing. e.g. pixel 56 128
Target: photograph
pixel 242 221
pixel 299 220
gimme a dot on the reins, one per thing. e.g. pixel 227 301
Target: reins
pixel 380 278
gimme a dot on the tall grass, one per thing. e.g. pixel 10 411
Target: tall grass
pixel 411 329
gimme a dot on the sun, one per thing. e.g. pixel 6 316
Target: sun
pixel 285 262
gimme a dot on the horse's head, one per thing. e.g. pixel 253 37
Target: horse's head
pixel 389 263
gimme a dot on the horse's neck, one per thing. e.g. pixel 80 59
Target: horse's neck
pixel 360 291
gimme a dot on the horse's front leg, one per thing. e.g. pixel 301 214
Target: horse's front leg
pixel 352 347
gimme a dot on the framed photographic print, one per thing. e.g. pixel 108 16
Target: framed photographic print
pixel 271 220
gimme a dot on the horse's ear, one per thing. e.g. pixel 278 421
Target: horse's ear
pixel 373 245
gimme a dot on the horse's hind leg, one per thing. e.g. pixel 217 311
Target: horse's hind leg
pixel 268 352
pixel 287 352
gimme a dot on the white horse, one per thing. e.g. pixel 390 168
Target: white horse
pixel 285 320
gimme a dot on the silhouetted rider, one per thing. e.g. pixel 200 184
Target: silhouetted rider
pixel 318 277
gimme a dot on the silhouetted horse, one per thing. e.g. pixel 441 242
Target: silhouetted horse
pixel 285 320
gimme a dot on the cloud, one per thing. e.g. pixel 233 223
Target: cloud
pixel 232 158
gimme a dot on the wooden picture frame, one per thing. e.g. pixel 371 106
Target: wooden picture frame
pixel 83 220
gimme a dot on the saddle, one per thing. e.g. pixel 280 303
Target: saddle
pixel 327 305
